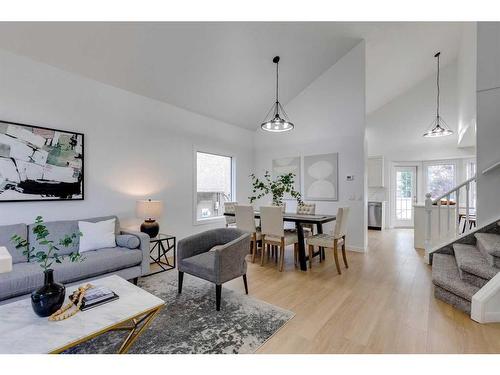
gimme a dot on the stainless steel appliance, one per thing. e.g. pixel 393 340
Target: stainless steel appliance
pixel 375 215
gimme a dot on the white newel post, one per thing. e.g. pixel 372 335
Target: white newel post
pixel 428 227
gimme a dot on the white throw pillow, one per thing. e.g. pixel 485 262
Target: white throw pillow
pixel 97 235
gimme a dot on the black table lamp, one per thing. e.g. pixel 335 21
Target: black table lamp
pixel 149 211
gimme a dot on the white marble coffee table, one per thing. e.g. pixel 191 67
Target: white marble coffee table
pixel 22 331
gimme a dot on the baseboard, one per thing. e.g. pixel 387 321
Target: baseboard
pixel 357 249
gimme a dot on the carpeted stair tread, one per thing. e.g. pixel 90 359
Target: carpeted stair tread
pixel 445 275
pixel 490 242
pixel 470 259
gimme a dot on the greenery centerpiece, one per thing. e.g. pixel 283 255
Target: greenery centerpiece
pixel 277 187
pixel 50 297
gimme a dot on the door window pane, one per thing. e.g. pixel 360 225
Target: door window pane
pixel 404 190
pixel 213 184
pixel 440 179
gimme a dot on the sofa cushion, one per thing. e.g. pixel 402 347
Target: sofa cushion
pixel 6 232
pixel 128 240
pixel 201 265
pixel 58 229
pixel 97 262
pixel 23 279
pixel 26 277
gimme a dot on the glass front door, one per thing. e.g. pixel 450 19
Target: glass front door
pixel 405 195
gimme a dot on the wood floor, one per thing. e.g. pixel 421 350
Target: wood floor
pixel 383 303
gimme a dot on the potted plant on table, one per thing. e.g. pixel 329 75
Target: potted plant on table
pixel 50 297
pixel 277 187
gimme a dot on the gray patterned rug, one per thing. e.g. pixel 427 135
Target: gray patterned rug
pixel 190 324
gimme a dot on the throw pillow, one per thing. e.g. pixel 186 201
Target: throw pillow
pixel 97 235
pixel 128 240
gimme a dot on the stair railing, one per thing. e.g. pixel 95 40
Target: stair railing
pixel 452 226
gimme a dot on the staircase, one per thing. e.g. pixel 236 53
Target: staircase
pixel 462 268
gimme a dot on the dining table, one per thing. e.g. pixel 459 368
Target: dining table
pixel 300 219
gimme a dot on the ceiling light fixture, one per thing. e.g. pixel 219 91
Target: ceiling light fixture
pixel 274 121
pixel 438 127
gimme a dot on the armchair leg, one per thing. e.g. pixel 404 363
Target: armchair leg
pixel 135 280
pixel 181 278
pixel 245 282
pixel 218 292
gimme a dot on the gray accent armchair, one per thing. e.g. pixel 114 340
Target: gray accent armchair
pixel 217 255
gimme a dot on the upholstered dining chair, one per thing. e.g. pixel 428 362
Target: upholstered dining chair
pixel 274 234
pixel 229 208
pixel 307 209
pixel 332 241
pixel 245 221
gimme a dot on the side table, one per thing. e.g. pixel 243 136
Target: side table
pixel 162 245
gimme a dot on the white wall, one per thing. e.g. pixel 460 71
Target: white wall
pixel 395 130
pixel 330 117
pixel 135 147
pixel 466 85
pixel 488 120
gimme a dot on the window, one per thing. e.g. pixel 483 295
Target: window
pixel 214 184
pixel 440 179
pixel 471 172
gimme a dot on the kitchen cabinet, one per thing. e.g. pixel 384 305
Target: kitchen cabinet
pixel 375 172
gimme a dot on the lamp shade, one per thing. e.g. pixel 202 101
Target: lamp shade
pixel 5 260
pixel 149 209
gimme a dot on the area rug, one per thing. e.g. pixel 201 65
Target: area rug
pixel 189 322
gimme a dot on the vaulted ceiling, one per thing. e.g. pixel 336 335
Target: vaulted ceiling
pixel 224 70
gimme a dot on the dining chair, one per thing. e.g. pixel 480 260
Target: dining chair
pixel 274 234
pixel 332 241
pixel 307 209
pixel 245 221
pixel 229 208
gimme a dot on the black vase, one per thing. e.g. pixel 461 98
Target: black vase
pixel 49 298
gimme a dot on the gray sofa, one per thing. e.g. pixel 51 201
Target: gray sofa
pixel 217 255
pixel 129 259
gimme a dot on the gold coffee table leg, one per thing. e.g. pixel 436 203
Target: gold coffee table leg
pixel 136 329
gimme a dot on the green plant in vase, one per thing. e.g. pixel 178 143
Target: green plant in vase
pixel 50 297
pixel 277 187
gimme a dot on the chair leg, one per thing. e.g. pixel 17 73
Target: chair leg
pixel 263 253
pixel 311 251
pixel 181 279
pixel 295 254
pixel 218 292
pixel 245 282
pixel 344 254
pixel 336 256
pixel 282 255
pixel 135 280
pixel 254 248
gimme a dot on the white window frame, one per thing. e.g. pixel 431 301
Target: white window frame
pixel 217 152
pixel 427 164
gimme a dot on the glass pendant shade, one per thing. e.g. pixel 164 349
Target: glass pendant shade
pixel 277 120
pixel 438 127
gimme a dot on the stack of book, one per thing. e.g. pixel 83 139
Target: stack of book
pixel 96 296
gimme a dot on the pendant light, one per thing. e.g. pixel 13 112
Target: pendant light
pixel 438 127
pixel 276 119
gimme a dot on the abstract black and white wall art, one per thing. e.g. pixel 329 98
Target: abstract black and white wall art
pixel 39 163
pixel 321 177
pixel 288 165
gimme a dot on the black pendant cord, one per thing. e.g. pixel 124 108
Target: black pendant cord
pixel 277 88
pixel 438 90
